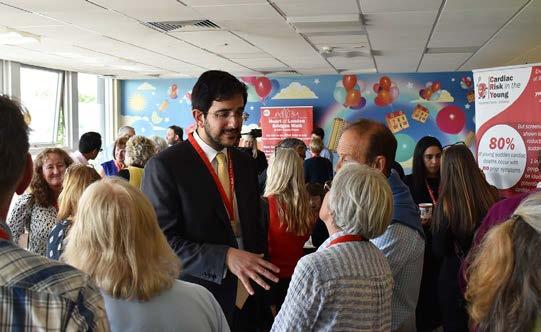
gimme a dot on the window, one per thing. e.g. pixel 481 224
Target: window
pixel 41 94
pixel 91 108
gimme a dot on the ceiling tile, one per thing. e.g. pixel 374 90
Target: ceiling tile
pixel 317 7
pixel 399 30
pixel 462 28
pixel 442 62
pixel 351 63
pixel 392 6
pixel 220 42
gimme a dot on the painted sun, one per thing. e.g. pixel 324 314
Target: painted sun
pixel 137 102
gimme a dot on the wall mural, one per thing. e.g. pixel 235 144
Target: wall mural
pixel 412 105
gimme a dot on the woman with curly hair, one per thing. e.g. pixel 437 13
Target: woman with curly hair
pixel 464 199
pixel 139 150
pixel 36 211
pixel 504 279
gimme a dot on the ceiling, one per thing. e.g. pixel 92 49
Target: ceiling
pixel 128 39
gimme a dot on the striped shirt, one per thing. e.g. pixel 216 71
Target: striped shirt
pixel 345 287
pixel 37 294
pixel 404 248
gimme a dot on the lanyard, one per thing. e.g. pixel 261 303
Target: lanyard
pixel 346 238
pixel 431 193
pixel 228 202
pixel 3 235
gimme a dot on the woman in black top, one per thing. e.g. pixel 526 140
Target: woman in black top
pixel 424 182
pixel 464 199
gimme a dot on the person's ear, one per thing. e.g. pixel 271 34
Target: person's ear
pixel 379 163
pixel 199 117
pixel 26 177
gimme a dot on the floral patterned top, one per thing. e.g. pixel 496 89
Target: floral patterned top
pixel 36 219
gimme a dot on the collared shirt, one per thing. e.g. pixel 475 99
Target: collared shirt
pixel 37 294
pixel 78 158
pixel 345 287
pixel 211 155
pixel 404 246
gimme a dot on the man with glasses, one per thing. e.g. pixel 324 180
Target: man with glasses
pixel 89 147
pixel 205 195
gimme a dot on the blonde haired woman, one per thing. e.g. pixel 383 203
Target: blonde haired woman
pixel 504 280
pixel 139 150
pixel 121 247
pixel 76 179
pixel 287 217
pixel 346 285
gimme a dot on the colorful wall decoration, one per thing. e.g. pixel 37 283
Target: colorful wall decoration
pixel 413 105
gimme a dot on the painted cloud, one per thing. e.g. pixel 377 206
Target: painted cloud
pixel 146 87
pixel 296 91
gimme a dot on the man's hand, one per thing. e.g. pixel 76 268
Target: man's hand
pixel 246 266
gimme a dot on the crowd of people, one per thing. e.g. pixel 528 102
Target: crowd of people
pixel 201 235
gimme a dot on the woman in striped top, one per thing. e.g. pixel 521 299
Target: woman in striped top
pixel 347 284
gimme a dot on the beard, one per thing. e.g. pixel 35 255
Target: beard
pixel 223 137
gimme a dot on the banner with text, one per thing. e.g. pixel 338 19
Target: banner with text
pixel 508 126
pixel 278 123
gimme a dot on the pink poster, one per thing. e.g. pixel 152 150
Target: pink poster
pixel 278 123
pixel 508 126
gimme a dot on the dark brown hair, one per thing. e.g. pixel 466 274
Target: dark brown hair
pixel 42 193
pixel 465 196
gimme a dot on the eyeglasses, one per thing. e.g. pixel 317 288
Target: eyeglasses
pixel 225 115
pixel 457 143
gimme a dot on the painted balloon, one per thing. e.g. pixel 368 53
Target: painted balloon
pixel 404 148
pixel 435 86
pixel 349 81
pixel 275 87
pixel 395 92
pixel 385 83
pixel 340 95
pixel 451 119
pixel 353 98
pixel 263 87
pixel 249 79
pixel 252 94
pixel 362 104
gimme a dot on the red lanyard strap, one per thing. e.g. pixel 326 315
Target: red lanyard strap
pixel 3 235
pixel 431 193
pixel 346 238
pixel 228 201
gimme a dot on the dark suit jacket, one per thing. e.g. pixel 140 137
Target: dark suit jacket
pixel 194 219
